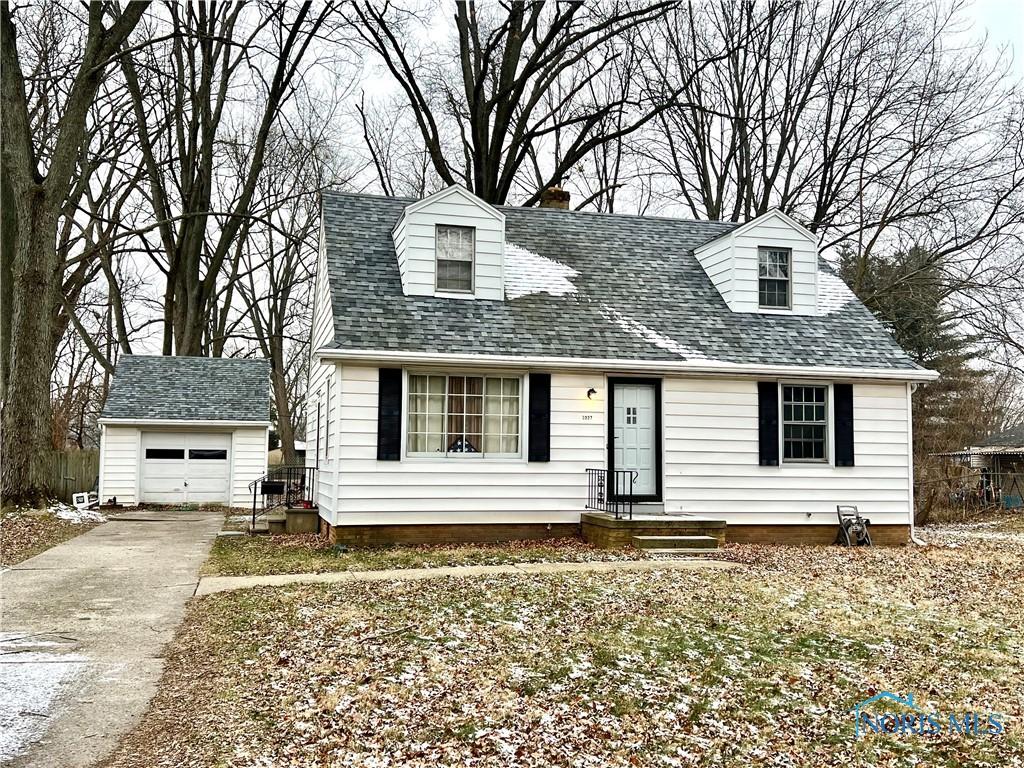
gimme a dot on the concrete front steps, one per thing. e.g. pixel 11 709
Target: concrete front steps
pixel 677 545
pixel 692 531
pixel 291 520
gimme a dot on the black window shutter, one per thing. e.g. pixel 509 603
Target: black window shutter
pixel 389 414
pixel 768 422
pixel 843 394
pixel 540 417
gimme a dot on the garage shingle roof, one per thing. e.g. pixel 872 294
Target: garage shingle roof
pixel 638 293
pixel 192 388
pixel 1012 437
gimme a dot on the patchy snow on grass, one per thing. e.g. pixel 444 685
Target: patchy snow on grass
pixel 31 681
pixel 77 516
pixel 651 336
pixel 833 293
pixel 527 273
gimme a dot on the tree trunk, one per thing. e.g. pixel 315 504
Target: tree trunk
pixel 8 234
pixel 36 273
pixel 285 430
pixel 36 265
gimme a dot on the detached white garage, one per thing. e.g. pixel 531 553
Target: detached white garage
pixel 184 430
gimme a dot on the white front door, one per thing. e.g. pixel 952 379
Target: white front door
pixel 185 467
pixel 634 436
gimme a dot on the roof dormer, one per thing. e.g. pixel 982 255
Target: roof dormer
pixel 768 265
pixel 451 244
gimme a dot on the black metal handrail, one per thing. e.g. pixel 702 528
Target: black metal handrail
pixel 611 490
pixel 282 486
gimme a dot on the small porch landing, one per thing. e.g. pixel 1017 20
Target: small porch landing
pixel 604 530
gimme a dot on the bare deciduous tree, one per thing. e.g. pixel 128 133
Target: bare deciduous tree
pixel 41 171
pixel 183 95
pixel 512 109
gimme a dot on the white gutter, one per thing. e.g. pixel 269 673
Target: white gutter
pixel 911 388
pixel 701 367
pixel 183 422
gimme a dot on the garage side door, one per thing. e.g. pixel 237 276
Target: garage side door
pixel 181 467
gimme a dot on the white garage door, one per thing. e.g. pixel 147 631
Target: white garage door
pixel 182 467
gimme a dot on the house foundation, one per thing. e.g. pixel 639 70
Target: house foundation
pixel 609 532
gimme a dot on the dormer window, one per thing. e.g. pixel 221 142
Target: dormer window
pixel 456 247
pixel 452 245
pixel 773 278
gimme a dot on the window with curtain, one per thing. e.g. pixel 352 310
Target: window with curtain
pixel 463 415
pixel 455 249
pixel 773 278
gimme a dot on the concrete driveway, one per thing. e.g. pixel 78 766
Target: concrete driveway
pixel 82 633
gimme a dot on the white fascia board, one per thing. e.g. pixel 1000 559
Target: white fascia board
pixel 694 367
pixel 462 192
pixel 183 423
pixel 775 213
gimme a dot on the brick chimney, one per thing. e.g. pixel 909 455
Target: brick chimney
pixel 554 197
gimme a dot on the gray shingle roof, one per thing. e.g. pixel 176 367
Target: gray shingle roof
pixel 201 388
pixel 639 294
pixel 1012 437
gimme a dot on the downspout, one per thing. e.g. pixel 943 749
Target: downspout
pixel 911 388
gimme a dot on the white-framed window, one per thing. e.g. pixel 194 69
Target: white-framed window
pixel 773 278
pixel 804 422
pixel 464 415
pixel 455 249
pixel 329 417
pixel 321 443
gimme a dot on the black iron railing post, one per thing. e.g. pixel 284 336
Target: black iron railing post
pixel 606 491
pixel 633 476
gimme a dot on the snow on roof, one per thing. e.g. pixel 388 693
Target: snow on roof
pixel 651 336
pixel 833 293
pixel 527 273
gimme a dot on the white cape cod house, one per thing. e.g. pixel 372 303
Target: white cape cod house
pixel 472 363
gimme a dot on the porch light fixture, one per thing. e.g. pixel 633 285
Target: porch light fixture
pixel 590 393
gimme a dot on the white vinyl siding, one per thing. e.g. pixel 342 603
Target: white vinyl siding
pixel 489 490
pixel 248 462
pixel 712 468
pixel 717 260
pixel 119 464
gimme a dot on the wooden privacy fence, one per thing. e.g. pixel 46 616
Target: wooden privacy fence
pixel 68 472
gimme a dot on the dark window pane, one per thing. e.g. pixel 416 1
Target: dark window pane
pixel 773 293
pixel 804 423
pixel 165 453
pixel 207 454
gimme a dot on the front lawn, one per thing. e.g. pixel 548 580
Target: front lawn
pixel 25 533
pixel 261 555
pixel 757 665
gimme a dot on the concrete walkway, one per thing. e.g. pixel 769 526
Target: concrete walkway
pixel 209 585
pixel 84 626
